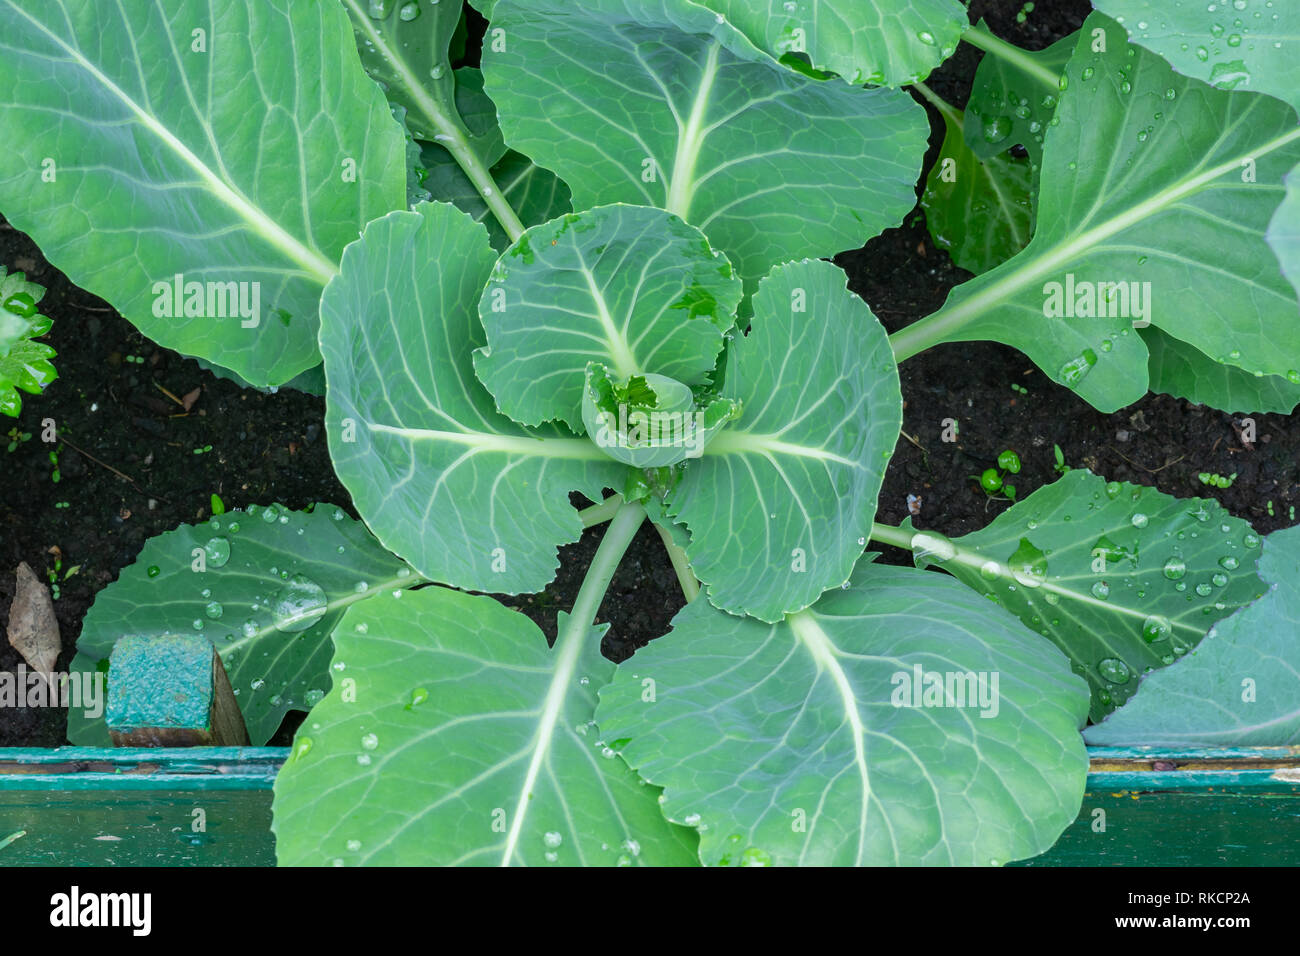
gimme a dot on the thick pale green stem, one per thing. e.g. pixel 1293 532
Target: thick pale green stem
pixel 888 534
pixel 933 543
pixel 921 335
pixel 600 513
pixel 438 110
pixel 685 577
pixel 622 529
pixel 454 137
pixel 943 325
pixel 986 41
pixel 950 113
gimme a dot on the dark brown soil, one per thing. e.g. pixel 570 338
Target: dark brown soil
pixel 128 467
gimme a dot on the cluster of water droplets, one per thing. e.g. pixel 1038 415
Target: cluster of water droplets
pixel 1231 26
pixel 1025 572
pixel 380 9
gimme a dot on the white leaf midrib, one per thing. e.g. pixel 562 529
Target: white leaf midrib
pixel 317 266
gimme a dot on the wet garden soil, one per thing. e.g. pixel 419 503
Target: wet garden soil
pixel 145 437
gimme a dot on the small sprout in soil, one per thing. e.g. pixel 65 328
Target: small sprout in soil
pixel 1019 388
pixel 1270 507
pixel 1024 13
pixel 55 475
pixel 203 451
pixel 16 438
pixel 218 506
pixel 1218 481
pixel 1061 467
pixel 62 504
pixel 52 575
pixel 993 480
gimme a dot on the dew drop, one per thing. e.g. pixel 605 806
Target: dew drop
pixel 928 544
pixel 1028 564
pixel 1229 75
pixel 298 605
pixel 1073 371
pixel 1114 670
pixel 998 129
pixel 217 552
pixel 1156 628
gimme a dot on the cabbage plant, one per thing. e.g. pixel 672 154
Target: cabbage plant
pixel 616 286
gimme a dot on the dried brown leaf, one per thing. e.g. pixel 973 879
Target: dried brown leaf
pixel 33 628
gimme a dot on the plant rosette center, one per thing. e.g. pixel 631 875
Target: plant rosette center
pixel 650 421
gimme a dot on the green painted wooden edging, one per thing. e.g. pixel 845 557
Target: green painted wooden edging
pixel 211 806
pixel 87 806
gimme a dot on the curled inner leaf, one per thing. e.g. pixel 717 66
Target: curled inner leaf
pixel 650 421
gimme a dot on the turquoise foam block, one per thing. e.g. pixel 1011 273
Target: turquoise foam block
pixel 159 681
